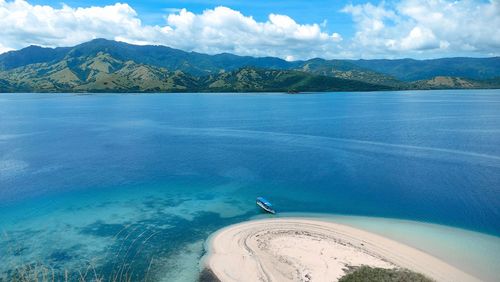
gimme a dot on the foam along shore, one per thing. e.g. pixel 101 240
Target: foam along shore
pixel 299 249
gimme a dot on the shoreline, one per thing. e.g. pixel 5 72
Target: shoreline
pixel 285 92
pixel 291 249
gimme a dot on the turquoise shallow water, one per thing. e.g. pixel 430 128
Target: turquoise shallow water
pixel 132 185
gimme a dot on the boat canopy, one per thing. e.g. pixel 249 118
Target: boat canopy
pixel 264 201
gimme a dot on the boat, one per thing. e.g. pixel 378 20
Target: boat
pixel 265 205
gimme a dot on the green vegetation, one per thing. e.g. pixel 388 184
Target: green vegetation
pixel 104 73
pixel 262 80
pixel 108 66
pixel 448 82
pixel 411 70
pixel 366 273
pixel 347 70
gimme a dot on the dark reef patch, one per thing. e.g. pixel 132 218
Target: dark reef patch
pixel 102 229
pixel 148 248
pixel 157 203
pixel 60 256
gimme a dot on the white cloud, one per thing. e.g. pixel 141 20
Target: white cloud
pixel 214 31
pixel 419 38
pixel 225 30
pixel 4 49
pixel 23 24
pixel 408 28
pixel 426 28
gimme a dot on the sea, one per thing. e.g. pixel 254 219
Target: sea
pixel 129 186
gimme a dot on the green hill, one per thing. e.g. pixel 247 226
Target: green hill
pixel 411 70
pixel 101 72
pixel 104 73
pixel 95 73
pixel 109 66
pixel 347 70
pixel 448 82
pixel 264 80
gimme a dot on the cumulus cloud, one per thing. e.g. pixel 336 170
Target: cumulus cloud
pixel 4 49
pixel 24 24
pixel 213 31
pixel 426 28
pixel 224 29
pixel 405 28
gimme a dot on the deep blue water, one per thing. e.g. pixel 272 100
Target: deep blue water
pixel 86 167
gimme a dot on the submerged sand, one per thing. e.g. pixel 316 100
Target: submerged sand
pixel 297 249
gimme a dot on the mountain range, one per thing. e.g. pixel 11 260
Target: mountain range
pixel 109 66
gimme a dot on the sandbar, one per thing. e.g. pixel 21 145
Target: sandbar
pixel 301 249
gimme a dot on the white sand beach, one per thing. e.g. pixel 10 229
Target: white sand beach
pixel 299 249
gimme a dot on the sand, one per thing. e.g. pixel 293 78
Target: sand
pixel 298 249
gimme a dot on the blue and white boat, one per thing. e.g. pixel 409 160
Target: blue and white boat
pixel 265 205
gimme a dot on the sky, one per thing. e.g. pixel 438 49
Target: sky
pixel 293 29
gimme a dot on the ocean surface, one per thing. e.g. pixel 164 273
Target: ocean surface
pixel 130 186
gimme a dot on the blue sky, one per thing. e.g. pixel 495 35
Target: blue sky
pixel 304 11
pixel 293 29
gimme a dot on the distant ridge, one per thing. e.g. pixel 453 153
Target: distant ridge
pixel 104 65
pixel 410 69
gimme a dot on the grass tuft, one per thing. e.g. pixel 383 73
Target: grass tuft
pixel 375 274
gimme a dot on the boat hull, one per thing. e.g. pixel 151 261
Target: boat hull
pixel 266 208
